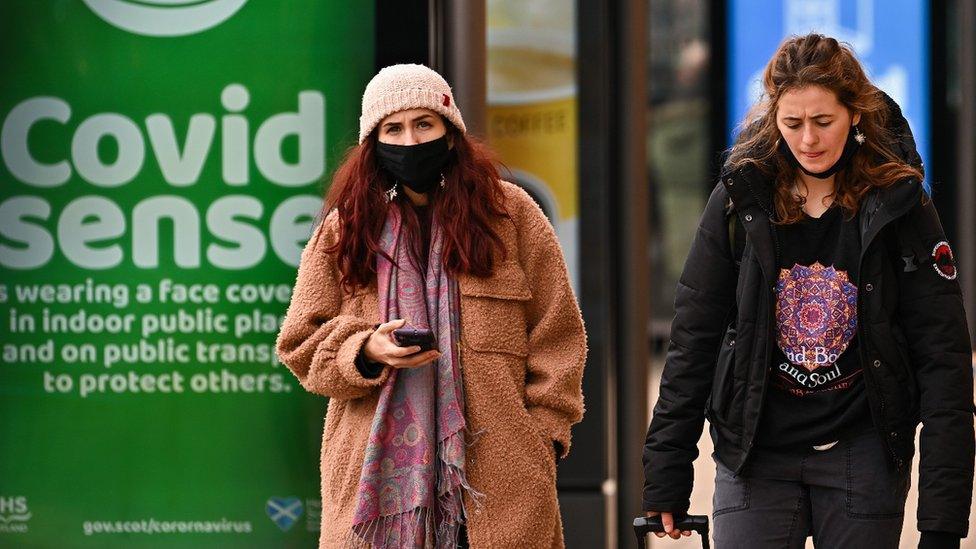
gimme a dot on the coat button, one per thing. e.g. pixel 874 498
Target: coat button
pixel 869 287
pixel 877 363
pixel 748 217
pixel 730 181
pixel 894 434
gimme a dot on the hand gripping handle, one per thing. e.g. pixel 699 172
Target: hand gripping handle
pixel 646 525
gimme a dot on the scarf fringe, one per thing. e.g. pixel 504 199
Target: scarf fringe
pixel 394 531
pixel 417 527
pixel 472 437
pixel 450 477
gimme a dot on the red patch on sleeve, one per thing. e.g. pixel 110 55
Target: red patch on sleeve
pixel 943 262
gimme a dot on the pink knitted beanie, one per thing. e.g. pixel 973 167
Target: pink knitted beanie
pixel 401 87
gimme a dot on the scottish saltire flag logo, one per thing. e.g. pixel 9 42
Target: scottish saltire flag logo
pixel 284 512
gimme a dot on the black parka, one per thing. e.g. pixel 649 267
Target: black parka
pixel 915 349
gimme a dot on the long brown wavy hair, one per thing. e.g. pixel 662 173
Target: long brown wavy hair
pixel 465 207
pixel 818 60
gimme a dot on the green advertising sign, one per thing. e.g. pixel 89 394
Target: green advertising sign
pixel 162 161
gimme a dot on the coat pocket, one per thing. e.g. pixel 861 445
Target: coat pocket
pixel 891 345
pixel 914 392
pixel 493 311
pixel 541 441
pixel 722 381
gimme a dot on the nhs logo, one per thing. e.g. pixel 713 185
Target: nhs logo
pixel 14 514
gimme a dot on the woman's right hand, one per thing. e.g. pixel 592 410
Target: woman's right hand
pixel 381 348
pixel 667 519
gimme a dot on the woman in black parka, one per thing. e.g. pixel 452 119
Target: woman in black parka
pixel 818 320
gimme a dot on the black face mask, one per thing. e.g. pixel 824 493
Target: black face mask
pixel 416 166
pixel 850 148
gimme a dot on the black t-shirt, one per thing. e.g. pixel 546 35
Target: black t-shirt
pixel 424 216
pixel 815 389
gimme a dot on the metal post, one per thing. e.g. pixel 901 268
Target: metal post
pixel 459 52
pixel 633 258
pixel 612 72
pixel 403 31
pixel 598 290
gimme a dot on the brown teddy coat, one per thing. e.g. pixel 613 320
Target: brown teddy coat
pixel 522 353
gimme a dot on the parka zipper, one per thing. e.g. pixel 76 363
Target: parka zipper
pixel 768 305
pixel 862 318
pixel 874 387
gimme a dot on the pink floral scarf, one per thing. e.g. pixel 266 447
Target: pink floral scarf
pixel 410 488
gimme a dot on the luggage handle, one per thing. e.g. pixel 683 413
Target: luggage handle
pixel 646 525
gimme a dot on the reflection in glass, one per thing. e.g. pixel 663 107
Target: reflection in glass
pixel 678 146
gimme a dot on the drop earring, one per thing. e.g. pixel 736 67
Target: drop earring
pixel 443 181
pixel 858 136
pixel 391 193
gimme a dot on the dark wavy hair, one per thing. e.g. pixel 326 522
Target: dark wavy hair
pixel 465 207
pixel 818 60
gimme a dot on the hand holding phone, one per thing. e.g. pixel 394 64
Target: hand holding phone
pixel 420 337
pixel 383 347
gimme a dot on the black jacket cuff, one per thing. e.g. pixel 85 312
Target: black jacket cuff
pixel 673 507
pixel 367 369
pixel 938 540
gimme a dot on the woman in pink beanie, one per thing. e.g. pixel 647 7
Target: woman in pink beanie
pixel 433 307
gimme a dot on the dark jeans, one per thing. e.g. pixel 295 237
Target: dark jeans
pixel 845 496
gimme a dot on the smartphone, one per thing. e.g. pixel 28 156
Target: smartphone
pixel 408 337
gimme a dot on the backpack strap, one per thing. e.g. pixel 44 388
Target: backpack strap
pixel 737 237
pixel 737 244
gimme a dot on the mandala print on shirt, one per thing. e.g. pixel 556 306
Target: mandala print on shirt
pixel 816 314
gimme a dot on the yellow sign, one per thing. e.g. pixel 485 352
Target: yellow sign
pixel 532 123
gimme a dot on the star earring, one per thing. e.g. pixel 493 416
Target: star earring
pixel 391 193
pixel 858 136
